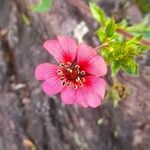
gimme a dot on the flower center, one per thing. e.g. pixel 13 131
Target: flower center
pixel 71 75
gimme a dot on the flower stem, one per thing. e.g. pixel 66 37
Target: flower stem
pixel 101 46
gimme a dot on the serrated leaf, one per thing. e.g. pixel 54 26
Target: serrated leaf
pixel 115 67
pixel 101 34
pixel 139 37
pixel 98 13
pixel 141 28
pixel 110 28
pixel 141 49
pixel 42 6
pixel 122 24
pixel 131 67
pixel 145 33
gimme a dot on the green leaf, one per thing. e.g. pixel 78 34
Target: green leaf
pixel 115 67
pixel 146 34
pixel 42 6
pixel 110 28
pixel 142 31
pixel 101 34
pixel 122 24
pixel 139 37
pixel 141 28
pixel 98 13
pixel 131 67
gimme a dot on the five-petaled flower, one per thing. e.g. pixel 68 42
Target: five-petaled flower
pixel 77 76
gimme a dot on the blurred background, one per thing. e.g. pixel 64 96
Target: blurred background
pixel 31 120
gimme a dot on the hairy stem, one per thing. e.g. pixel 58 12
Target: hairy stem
pixel 101 46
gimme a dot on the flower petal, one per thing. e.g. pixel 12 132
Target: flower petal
pixel 81 97
pixel 85 53
pixel 90 61
pixel 93 99
pixel 69 46
pixel 52 86
pixel 87 97
pixel 96 84
pixel 95 66
pixel 68 95
pixel 45 71
pixel 55 49
pixel 92 93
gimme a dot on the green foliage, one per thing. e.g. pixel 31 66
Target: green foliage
pixel 120 52
pixel 122 24
pixel 131 67
pixel 42 6
pixel 98 13
pixel 110 28
pixel 142 28
pixel 115 67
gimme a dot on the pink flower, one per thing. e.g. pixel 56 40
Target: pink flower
pixel 76 76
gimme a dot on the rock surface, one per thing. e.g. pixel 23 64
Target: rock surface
pixel 28 114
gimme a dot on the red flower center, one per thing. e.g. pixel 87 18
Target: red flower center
pixel 71 75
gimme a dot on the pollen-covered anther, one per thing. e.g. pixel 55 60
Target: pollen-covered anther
pixel 82 72
pixel 81 84
pixel 69 70
pixel 62 75
pixel 68 63
pixel 61 65
pixel 75 86
pixel 59 72
pixel 78 79
pixel 77 67
pixel 62 78
pixel 83 80
pixel 64 83
pixel 71 84
pixel 68 83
